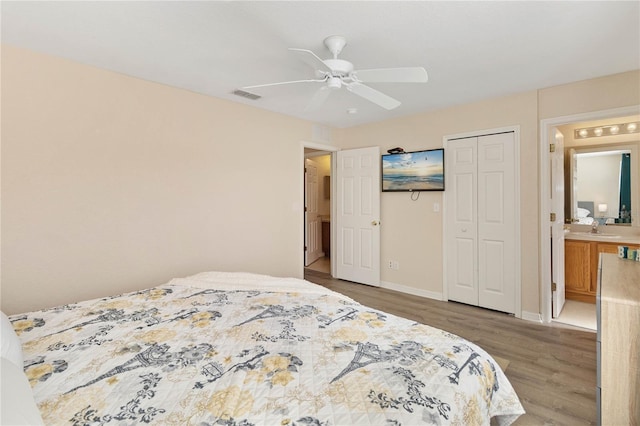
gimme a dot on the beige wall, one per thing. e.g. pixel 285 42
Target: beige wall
pixel 411 230
pixel 112 184
pixel 598 94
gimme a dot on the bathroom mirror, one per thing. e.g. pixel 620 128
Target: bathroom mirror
pixel 601 176
pixel 601 187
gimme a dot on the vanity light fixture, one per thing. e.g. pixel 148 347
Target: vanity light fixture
pixel 610 130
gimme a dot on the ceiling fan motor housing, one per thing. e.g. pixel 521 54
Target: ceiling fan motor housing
pixel 339 67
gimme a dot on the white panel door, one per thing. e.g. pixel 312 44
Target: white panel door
pixel 496 222
pixel 480 221
pixel 462 263
pixel 557 226
pixel 358 215
pixel 313 225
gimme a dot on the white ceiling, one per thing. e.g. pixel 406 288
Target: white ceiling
pixel 471 50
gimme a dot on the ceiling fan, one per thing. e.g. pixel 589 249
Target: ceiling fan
pixel 336 73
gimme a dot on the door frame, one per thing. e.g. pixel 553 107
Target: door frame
pixel 317 242
pixel 518 268
pixel 330 149
pixel 546 127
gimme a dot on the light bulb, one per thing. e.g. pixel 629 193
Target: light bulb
pixel 632 127
pixel 598 131
pixel 614 130
pixel 583 133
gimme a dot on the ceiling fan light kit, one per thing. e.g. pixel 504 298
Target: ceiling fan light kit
pixel 334 82
pixel 336 73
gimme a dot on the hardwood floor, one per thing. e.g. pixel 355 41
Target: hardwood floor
pixel 551 367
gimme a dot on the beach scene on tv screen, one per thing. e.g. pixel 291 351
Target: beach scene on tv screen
pixel 413 171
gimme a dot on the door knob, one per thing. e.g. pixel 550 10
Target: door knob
pixel 374 222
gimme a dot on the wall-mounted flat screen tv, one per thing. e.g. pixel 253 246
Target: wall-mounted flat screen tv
pixel 413 171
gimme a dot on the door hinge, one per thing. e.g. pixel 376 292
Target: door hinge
pixel 552 147
pixel 552 217
pixel 554 286
pixel 305 248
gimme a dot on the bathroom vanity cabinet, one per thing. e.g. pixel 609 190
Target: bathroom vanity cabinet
pixel 581 266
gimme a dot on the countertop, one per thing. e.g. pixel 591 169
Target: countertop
pixel 603 236
pixel 623 280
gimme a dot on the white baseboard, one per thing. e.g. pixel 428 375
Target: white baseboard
pixel 528 316
pixel 411 290
pixel 532 316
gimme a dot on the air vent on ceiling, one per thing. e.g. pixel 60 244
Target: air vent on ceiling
pixel 247 95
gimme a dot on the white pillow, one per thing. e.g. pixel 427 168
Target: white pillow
pixel 585 220
pixel 18 405
pixel 583 212
pixel 10 346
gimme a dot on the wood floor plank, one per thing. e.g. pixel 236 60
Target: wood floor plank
pixel 551 367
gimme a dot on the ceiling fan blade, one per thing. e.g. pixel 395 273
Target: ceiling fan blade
pixel 393 75
pixel 318 98
pixel 311 59
pixel 372 95
pixel 322 80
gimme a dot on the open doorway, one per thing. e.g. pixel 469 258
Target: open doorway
pixel 599 193
pixel 317 210
pixel 552 249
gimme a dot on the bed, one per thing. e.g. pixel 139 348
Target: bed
pixel 244 349
pixel 585 213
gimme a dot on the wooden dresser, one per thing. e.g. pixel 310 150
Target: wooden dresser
pixel 618 345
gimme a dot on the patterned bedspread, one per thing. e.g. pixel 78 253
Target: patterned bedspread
pixel 244 349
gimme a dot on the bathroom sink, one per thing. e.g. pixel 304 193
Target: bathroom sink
pixel 599 235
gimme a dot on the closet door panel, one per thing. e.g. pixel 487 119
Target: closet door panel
pixel 462 244
pixel 492 255
pixel 463 285
pixel 496 222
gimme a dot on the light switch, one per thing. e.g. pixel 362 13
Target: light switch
pixel 436 207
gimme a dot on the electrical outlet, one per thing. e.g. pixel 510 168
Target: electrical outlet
pixel 394 264
pixel 391 264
